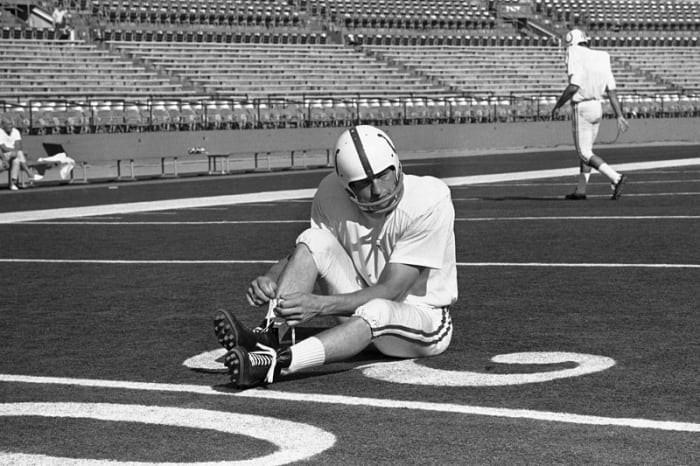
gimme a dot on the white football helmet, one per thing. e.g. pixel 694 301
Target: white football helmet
pixel 363 152
pixel 575 37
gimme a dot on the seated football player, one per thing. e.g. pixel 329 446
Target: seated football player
pixel 378 258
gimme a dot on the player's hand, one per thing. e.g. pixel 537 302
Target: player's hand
pixel 622 124
pixel 5 165
pixel 297 308
pixel 261 291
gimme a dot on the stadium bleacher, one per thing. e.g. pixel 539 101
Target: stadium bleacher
pixel 170 65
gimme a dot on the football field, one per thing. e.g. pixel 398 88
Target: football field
pixel 576 330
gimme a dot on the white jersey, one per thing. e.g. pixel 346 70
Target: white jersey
pixel 419 232
pixel 590 70
pixel 9 140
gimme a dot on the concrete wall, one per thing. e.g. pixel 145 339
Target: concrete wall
pixel 106 148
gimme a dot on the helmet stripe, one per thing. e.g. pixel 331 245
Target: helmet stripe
pixel 361 152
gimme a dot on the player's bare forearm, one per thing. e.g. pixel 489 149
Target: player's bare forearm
pixel 622 123
pixel 394 283
pixel 275 271
pixel 296 308
pixel 565 96
pixel 615 103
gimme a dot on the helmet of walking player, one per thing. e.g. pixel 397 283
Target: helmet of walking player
pixel 575 37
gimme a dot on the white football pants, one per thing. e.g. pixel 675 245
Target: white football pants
pixel 586 117
pixel 399 329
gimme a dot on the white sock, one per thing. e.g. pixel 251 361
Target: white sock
pixel 608 171
pixel 308 353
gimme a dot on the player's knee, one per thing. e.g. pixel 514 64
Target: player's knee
pixel 322 245
pixel 317 241
pixel 375 312
pixel 585 157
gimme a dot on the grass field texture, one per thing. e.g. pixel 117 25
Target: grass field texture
pixel 576 331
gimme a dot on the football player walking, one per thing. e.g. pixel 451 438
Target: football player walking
pixel 590 78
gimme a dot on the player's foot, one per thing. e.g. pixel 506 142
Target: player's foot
pixel 38 177
pixel 14 187
pixel 231 332
pixel 251 368
pixel 617 188
pixel 575 197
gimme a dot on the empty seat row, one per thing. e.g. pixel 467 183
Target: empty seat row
pixel 183 115
pixel 226 37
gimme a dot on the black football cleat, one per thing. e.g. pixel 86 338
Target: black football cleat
pixel 575 197
pixel 617 189
pixel 249 369
pixel 231 333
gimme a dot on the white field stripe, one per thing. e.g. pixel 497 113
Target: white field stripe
pixel 152 206
pixel 273 196
pixel 599 196
pixel 602 183
pixel 580 217
pixel 276 222
pixel 135 262
pixel 451 408
pixel 582 265
pixel 233 261
pixel 174 222
pixel 556 173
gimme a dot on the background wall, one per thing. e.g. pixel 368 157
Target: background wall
pixel 471 138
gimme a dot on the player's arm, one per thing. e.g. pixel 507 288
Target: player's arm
pixel 264 287
pixel 622 123
pixel 393 284
pixel 565 96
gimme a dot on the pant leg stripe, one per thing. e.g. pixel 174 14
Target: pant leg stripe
pixel 418 336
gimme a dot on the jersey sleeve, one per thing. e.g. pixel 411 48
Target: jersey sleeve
pixel 324 204
pixel 574 67
pixel 427 237
pixel 318 215
pixel 609 78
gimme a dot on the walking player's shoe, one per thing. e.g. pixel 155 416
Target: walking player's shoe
pixel 617 189
pixel 575 197
pixel 251 368
pixel 231 332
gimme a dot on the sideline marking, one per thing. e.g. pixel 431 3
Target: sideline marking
pixel 234 261
pixel 271 196
pixel 451 408
pixel 295 441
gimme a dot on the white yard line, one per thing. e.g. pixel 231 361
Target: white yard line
pixel 272 196
pixel 277 222
pixel 258 261
pixel 449 408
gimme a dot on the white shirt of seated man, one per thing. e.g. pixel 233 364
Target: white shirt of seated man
pixel 416 229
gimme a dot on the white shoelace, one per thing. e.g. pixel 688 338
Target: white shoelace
pixel 270 318
pixel 261 359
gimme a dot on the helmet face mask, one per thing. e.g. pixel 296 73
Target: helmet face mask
pixel 576 37
pixel 364 153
